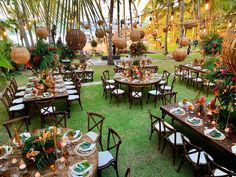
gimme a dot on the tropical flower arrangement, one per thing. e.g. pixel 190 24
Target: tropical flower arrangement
pixel 213 44
pixel 145 62
pixel 47 80
pixel 43 57
pixel 40 149
pixel 137 49
pixel 65 52
pixel 200 104
pixel 135 72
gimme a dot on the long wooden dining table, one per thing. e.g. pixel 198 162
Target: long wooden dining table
pixel 197 69
pixel 223 145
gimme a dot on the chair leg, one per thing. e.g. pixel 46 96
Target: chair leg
pixel 99 173
pixel 131 102
pixel 181 164
pixel 174 155
pixel 110 98
pixel 80 104
pixel 117 99
pixel 159 142
pixel 151 134
pixel 155 101
pixel 148 98
pixel 164 144
pixel 141 104
pixel 116 169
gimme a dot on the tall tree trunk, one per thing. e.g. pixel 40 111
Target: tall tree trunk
pixel 181 21
pixel 124 18
pixel 167 22
pixel 31 37
pixel 198 15
pixel 195 19
pixel 21 25
pixel 110 59
pixel 130 13
pixel 118 17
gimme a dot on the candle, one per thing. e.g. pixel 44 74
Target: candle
pixel 17 137
pixel 213 122
pixel 53 168
pixel 227 130
pixel 13 161
pixel 198 114
pixel 37 174
pixel 62 160
pixel 63 144
pixel 22 166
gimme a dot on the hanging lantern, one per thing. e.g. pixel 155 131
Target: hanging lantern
pixel 20 55
pixel 120 43
pixel 179 54
pixel 100 22
pixel 42 32
pixel 93 43
pixel 229 50
pixel 108 31
pixel 135 36
pixel 99 33
pixel 189 24
pixel 154 34
pixel 75 39
pixel 184 41
pixel 203 35
pixel 87 26
pixel 135 25
pixel 142 34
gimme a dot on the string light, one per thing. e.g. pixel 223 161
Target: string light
pixel 4 33
pixel 207 6
pixel 25 27
pixel 230 23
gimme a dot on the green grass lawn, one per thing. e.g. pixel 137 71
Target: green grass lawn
pixel 133 126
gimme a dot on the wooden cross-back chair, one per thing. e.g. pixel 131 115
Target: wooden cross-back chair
pixel 160 126
pixel 19 122
pixel 215 170
pixel 45 107
pixel 165 76
pixel 106 75
pixel 59 118
pixel 136 93
pixel 169 98
pixel 113 143
pixel 107 87
pixel 95 122
pixel 88 76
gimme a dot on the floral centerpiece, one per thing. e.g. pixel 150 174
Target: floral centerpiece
pixel 213 44
pixel 40 149
pixel 135 72
pixel 145 62
pixel 198 62
pixel 43 57
pixel 200 104
pixel 137 49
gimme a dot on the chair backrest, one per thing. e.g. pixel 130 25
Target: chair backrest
pixel 6 101
pixel 88 76
pixel 17 122
pixel 194 74
pixel 173 83
pixel 178 70
pixel 165 76
pixel 128 172
pixel 45 106
pixel 169 98
pixel 95 121
pixel 212 166
pixel 10 93
pixel 13 85
pixel 113 142
pixel 59 118
pixel 106 75
pixel 189 146
pixel 134 91
pixel 78 87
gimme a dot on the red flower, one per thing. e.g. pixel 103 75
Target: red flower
pixel 203 100
pixel 223 71
pixel 213 104
pixel 234 78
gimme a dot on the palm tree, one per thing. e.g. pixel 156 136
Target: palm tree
pixel 167 26
pixel 110 59
pixel 181 3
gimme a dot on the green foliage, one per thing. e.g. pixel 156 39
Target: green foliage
pixel 65 52
pixel 210 63
pixel 137 49
pixel 5 50
pixel 43 56
pixel 213 44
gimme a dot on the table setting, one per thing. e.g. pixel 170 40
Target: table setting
pixel 49 152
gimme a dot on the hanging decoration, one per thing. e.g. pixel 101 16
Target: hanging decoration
pixel 229 50
pixel 189 24
pixel 154 34
pixel 99 33
pixel 135 36
pixel 76 39
pixel 100 22
pixel 142 34
pixel 179 54
pixel 165 29
pixel 93 43
pixel 20 55
pixel 184 42
pixel 42 32
pixel 121 43
pixel 203 35
pixel 87 26
pixel 108 31
pixel 135 25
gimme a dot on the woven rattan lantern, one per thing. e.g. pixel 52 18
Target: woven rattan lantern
pixel 99 33
pixel 20 55
pixel 108 31
pixel 189 24
pixel 76 39
pixel 120 43
pixel 135 36
pixel 179 54
pixel 203 35
pixel 42 32
pixel 87 26
pixel 165 29
pixel 229 50
pixel 184 41
pixel 100 22
pixel 135 25
pixel 154 34
pixel 142 34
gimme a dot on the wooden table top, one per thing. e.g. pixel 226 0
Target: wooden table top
pixel 92 159
pixel 224 145
pixel 136 82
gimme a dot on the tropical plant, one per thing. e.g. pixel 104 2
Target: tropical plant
pixel 43 56
pixel 65 52
pixel 137 49
pixel 213 44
